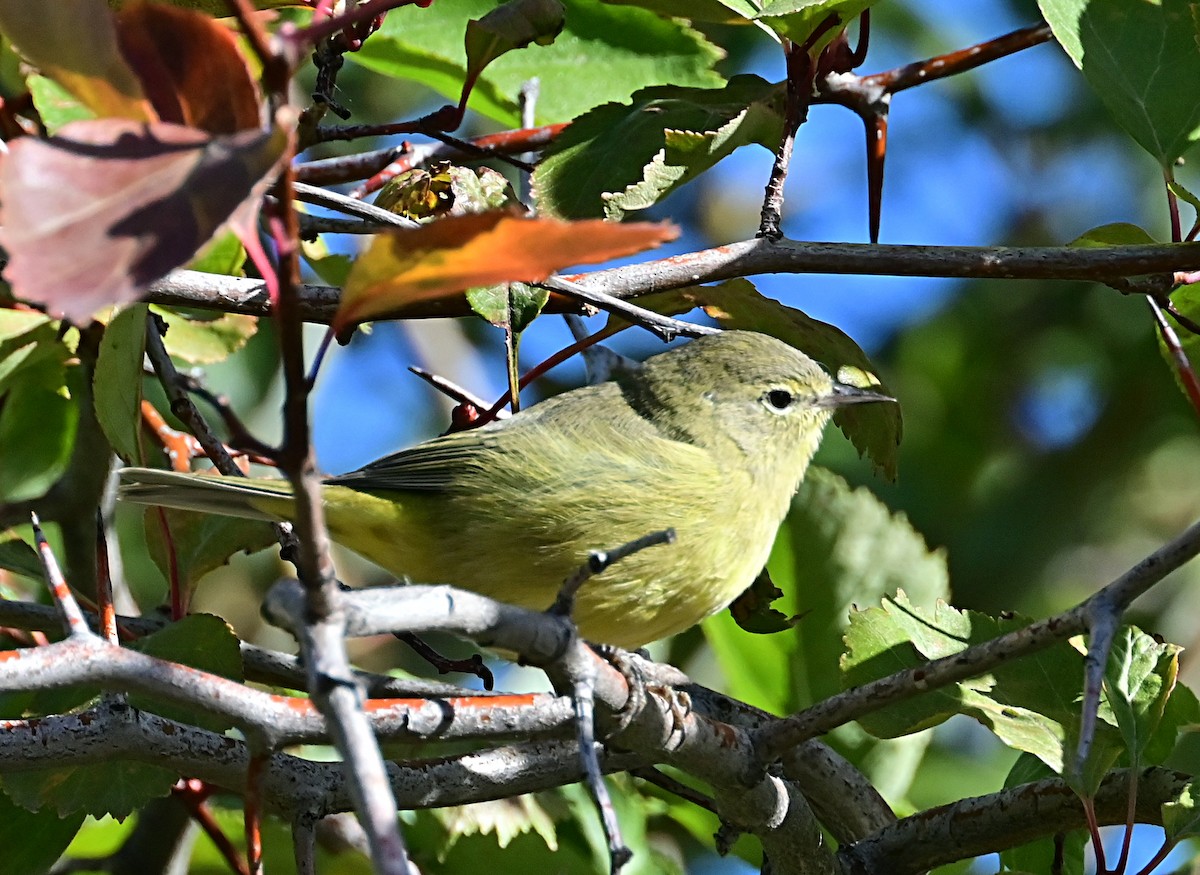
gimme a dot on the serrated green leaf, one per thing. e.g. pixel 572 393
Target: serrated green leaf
pixel 118 382
pixel 196 543
pixel 622 157
pixel 504 818
pixel 113 787
pixel 205 338
pixel 1032 704
pixel 201 641
pixel 33 840
pixel 1138 680
pixel 605 53
pixel 1142 60
pixel 1181 817
pixel 445 188
pixel 838 548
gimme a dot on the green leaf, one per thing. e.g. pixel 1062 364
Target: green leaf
pixel 1138 680
pixel 1142 60
pixel 621 157
pixel 118 382
pixel 55 104
pixel 605 53
pixel 15 323
pixel 201 641
pixel 1113 234
pixel 223 255
pixel 719 11
pixel 510 305
pixel 798 19
pixel 16 555
pixel 1187 301
pixel 113 787
pixel 1181 817
pixel 204 338
pixel 512 25
pixel 1184 195
pixel 37 430
pixel 1032 703
pixel 838 548
pixel 196 543
pixel 506 819
pixel 33 840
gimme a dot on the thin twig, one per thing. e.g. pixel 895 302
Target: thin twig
pixel 664 326
pixel 772 741
pixel 321 197
pixel 72 617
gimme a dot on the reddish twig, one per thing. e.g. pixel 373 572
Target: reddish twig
pixel 73 619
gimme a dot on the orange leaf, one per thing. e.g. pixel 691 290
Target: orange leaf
pixel 190 68
pixel 460 252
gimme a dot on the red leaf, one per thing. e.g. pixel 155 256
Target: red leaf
pixel 460 252
pixel 92 216
pixel 190 68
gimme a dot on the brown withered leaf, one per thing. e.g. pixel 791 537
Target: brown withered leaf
pixel 190 67
pixel 92 216
pixel 456 253
pixel 74 43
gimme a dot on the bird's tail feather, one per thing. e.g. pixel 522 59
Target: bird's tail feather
pixel 231 496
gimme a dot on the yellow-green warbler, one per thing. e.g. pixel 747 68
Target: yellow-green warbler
pixel 710 439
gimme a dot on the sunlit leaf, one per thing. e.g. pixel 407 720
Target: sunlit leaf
pixel 1181 817
pixel 92 216
pixel 605 53
pixel 202 339
pixel 459 252
pixel 190 67
pixel 75 44
pixel 56 105
pixel 622 157
pixel 798 20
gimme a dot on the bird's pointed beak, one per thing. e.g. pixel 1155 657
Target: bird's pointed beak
pixel 843 394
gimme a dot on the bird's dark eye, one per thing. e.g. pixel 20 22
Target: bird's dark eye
pixel 779 400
